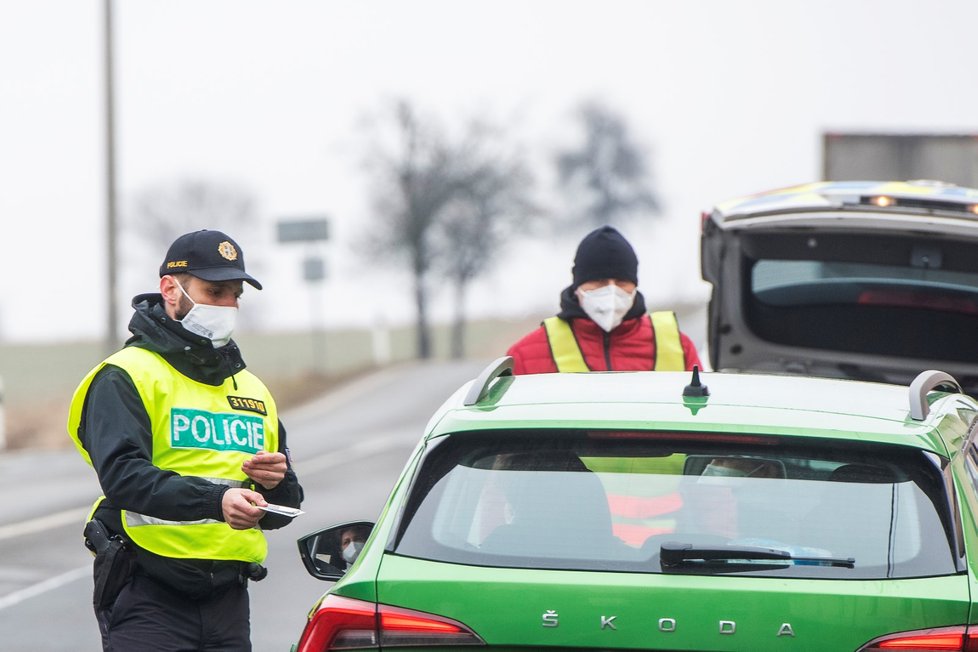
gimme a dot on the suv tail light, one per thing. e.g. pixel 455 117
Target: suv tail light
pixel 958 639
pixel 344 623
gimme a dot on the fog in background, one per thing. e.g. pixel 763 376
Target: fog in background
pixel 727 97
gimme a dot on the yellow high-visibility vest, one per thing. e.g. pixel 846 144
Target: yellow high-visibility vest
pixel 198 430
pixel 668 344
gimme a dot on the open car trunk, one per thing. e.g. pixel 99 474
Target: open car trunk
pixel 825 297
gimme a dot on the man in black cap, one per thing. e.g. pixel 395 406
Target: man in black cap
pixel 190 454
pixel 602 324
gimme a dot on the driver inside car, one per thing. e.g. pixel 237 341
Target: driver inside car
pixel 723 501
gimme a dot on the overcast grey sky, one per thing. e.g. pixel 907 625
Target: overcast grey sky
pixel 731 97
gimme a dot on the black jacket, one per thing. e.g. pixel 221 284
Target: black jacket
pixel 117 434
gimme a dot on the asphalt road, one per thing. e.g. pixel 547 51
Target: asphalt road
pixel 348 448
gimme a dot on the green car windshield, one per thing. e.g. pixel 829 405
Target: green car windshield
pixel 659 502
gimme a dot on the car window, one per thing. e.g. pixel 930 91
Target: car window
pixel 807 282
pixel 896 297
pixel 610 501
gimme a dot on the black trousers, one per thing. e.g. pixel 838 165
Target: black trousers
pixel 150 616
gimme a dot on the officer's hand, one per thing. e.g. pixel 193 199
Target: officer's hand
pixel 267 469
pixel 239 508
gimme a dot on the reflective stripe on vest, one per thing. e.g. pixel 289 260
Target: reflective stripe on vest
pixel 198 430
pixel 669 354
pixel 174 538
pixel 567 354
pixel 134 519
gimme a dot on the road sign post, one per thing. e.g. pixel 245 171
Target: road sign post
pixel 307 229
pixel 311 231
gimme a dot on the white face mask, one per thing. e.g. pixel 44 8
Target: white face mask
pixel 606 306
pixel 216 323
pixel 352 551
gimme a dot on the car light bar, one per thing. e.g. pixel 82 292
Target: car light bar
pixel 958 639
pixel 922 202
pixel 345 623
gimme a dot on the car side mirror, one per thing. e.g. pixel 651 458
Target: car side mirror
pixel 322 552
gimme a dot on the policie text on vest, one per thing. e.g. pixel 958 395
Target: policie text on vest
pixel 216 431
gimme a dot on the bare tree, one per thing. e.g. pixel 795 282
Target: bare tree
pixel 165 211
pixel 492 202
pixel 413 181
pixel 607 177
pixel 446 204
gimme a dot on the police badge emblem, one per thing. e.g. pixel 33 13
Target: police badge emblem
pixel 227 251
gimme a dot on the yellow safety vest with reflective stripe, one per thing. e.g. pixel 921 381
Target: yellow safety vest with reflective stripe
pixel 198 430
pixel 567 354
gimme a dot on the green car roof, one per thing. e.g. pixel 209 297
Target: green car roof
pixel 737 403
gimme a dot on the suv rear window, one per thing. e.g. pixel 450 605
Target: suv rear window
pixel 610 501
pixel 840 293
pixel 814 282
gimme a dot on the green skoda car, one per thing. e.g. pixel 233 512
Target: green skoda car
pixel 668 511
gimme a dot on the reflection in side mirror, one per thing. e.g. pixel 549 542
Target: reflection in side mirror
pixel 328 553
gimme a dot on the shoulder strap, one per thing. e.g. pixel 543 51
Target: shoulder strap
pixel 567 354
pixel 669 355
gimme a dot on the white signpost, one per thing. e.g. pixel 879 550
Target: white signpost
pixel 311 231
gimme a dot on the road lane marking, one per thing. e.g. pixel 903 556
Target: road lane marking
pixel 48 522
pixel 50 584
pixel 346 393
pixel 358 451
pixel 362 449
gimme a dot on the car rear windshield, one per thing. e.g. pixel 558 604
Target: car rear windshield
pixel 653 502
pixel 843 292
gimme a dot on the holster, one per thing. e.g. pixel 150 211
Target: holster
pixel 114 562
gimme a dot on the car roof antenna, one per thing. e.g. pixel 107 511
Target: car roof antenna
pixel 695 387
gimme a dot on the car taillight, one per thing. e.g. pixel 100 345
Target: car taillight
pixel 344 623
pixel 958 639
pixel 406 627
pixel 340 623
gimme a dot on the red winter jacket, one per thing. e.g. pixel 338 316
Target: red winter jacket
pixel 629 347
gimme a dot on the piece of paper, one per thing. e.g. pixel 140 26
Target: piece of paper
pixel 291 512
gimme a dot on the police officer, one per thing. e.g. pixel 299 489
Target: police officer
pixel 188 448
pixel 602 324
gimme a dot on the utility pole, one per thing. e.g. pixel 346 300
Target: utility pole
pixel 111 334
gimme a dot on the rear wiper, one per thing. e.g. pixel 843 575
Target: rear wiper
pixel 674 555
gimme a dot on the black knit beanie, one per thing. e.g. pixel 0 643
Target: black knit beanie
pixel 604 253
